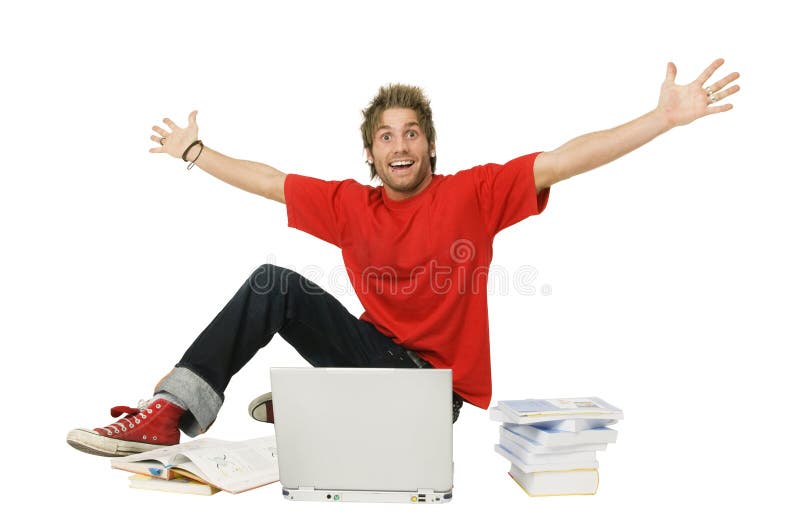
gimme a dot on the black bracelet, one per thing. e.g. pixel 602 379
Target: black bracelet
pixel 192 145
pixel 191 164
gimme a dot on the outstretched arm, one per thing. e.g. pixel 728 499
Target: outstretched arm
pixel 677 105
pixel 253 177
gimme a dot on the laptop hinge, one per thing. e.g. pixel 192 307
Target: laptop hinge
pixel 424 492
pixel 305 488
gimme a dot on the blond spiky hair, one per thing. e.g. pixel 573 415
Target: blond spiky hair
pixel 397 96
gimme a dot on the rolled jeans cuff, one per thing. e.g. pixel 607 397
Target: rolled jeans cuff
pixel 202 402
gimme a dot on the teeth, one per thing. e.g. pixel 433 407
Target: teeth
pixel 401 163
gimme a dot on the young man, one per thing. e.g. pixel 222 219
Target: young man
pixel 417 250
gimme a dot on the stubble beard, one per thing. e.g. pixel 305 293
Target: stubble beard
pixel 405 186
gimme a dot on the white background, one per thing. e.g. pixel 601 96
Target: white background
pixel 673 271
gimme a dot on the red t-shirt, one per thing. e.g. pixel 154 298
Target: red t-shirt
pixel 420 266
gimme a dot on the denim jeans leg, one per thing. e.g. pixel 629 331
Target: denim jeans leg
pixel 274 300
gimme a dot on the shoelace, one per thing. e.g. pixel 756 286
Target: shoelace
pixel 134 417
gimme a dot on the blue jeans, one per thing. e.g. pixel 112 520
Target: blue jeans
pixel 277 300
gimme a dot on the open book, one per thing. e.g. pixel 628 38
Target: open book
pixel 230 466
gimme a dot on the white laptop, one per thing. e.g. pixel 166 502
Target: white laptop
pixel 364 434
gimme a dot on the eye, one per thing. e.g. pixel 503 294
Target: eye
pixel 412 134
pixel 386 137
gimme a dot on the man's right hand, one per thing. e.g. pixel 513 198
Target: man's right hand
pixel 253 177
pixel 175 141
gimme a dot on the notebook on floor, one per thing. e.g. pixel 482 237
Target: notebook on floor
pixel 364 434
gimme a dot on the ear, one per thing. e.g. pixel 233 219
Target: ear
pixel 370 158
pixel 432 149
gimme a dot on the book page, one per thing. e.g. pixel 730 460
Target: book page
pixel 167 454
pixel 235 466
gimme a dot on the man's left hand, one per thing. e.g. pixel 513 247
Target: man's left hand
pixel 683 104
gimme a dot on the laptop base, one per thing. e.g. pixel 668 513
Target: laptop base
pixel 321 495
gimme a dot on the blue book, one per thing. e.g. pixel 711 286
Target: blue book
pixel 551 437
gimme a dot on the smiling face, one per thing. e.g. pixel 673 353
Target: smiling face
pixel 401 154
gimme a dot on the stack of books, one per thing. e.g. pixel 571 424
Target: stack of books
pixel 552 444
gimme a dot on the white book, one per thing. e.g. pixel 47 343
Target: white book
pixel 526 411
pixel 536 447
pixel 555 466
pixel 232 466
pixel 533 458
pixel 562 438
pixel 549 483
pixel 564 425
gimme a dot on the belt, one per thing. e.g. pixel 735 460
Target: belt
pixel 417 360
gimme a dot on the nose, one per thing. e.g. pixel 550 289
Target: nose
pixel 400 145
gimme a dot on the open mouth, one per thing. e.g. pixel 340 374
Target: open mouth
pixel 401 165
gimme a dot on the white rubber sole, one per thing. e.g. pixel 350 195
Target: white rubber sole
pixel 258 407
pixel 91 442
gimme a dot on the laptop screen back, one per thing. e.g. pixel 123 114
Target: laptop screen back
pixel 364 428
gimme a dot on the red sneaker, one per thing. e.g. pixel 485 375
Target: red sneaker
pixel 142 429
